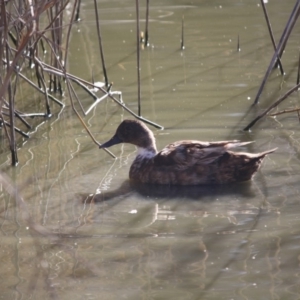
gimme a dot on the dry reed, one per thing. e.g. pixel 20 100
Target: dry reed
pixel 27 31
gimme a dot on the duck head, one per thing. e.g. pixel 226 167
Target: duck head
pixel 133 132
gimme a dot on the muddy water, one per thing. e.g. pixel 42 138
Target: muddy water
pixel 140 242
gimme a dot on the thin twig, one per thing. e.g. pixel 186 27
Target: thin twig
pixel 110 95
pixel 134 114
pixel 85 88
pixel 271 107
pixel 285 112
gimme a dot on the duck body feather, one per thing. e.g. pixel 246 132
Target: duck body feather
pixel 186 162
pixel 195 163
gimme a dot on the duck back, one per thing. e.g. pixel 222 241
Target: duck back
pixel 191 164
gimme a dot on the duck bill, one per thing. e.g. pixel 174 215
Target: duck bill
pixel 113 141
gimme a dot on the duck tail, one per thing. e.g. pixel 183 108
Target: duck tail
pixel 263 154
pixel 234 144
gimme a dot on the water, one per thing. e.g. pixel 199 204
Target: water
pixel 143 242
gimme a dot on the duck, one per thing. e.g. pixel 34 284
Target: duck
pixel 186 162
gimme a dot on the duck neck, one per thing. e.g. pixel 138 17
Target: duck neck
pixel 146 147
pixel 146 153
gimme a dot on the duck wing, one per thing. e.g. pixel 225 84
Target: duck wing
pixel 184 154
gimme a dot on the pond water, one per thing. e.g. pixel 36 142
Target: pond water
pixel 133 241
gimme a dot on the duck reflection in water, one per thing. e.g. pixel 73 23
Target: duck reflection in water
pixel 158 192
pixel 186 162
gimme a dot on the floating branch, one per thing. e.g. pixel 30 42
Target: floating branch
pixel 102 98
pixel 18 114
pixel 84 84
pixel 24 134
pixel 135 115
pixel 280 47
pixel 271 34
pixel 90 92
pixel 110 94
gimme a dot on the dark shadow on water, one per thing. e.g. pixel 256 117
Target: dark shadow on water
pixel 201 193
pixel 166 192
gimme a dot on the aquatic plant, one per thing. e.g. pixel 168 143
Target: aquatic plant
pixel 35 36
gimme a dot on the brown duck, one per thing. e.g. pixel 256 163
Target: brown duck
pixel 185 162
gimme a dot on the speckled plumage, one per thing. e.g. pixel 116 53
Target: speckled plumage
pixel 185 162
